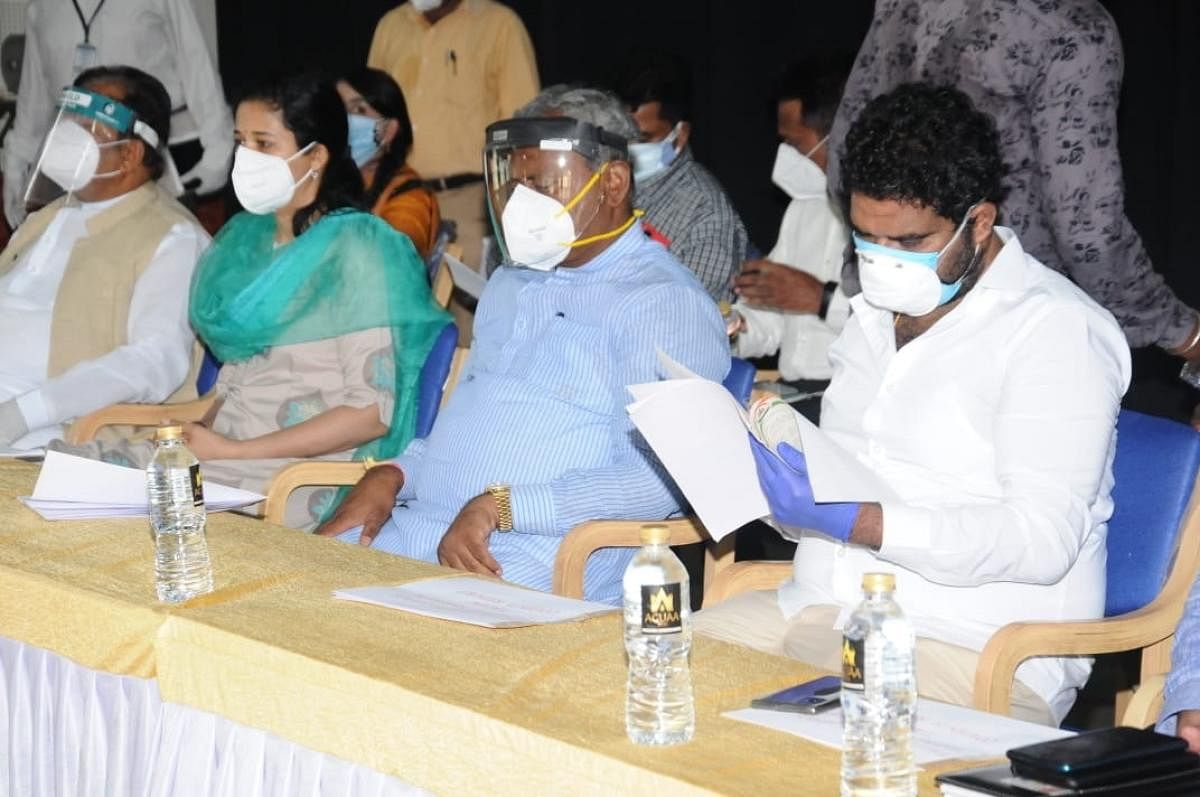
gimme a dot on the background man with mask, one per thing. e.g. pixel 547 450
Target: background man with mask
pixel 983 388
pixel 94 286
pixel 687 210
pixel 535 439
pixel 789 302
pixel 462 64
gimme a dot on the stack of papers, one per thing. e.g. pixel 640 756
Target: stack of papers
pixel 73 488
pixel 698 430
pixel 477 601
pixel 942 731
pixel 31 454
pixel 466 278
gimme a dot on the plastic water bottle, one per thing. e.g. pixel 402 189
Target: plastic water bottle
pixel 879 695
pixel 658 638
pixel 182 568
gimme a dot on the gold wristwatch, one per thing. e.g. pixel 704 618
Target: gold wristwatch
pixel 503 496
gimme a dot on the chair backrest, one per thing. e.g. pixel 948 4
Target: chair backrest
pixel 433 378
pixel 440 241
pixel 740 379
pixel 207 377
pixel 1155 472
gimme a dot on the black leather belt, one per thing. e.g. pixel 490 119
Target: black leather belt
pixel 452 182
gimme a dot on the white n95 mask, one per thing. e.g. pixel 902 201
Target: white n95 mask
pixel 72 156
pixel 797 174
pixel 264 183
pixel 907 282
pixel 538 230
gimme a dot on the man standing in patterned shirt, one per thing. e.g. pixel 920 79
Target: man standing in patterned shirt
pixel 1049 73
pixel 687 210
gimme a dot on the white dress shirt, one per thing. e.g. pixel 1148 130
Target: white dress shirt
pixel 996 428
pixel 147 369
pixel 812 238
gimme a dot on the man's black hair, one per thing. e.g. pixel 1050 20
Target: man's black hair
pixel 146 97
pixel 926 145
pixel 661 78
pixel 818 84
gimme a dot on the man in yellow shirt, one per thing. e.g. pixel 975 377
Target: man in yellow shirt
pixel 462 64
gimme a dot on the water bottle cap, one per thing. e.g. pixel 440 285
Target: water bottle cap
pixel 168 433
pixel 879 582
pixel 655 534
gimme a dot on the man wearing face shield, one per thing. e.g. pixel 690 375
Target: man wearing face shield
pixel 982 388
pixel 535 439
pixel 94 286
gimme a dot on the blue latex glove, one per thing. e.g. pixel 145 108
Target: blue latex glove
pixel 784 481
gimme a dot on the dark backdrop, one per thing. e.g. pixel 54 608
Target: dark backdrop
pixel 736 48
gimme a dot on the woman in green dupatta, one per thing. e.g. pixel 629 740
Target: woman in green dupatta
pixel 320 312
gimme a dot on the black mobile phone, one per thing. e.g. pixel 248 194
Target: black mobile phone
pixel 806 698
pixel 1107 749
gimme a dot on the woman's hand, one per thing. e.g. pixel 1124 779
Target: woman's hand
pixel 207 444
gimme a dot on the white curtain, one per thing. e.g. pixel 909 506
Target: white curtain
pixel 68 730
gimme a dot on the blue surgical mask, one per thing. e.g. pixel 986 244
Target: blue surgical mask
pixel 653 157
pixel 906 282
pixel 364 144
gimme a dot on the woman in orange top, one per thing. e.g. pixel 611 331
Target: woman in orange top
pixel 380 140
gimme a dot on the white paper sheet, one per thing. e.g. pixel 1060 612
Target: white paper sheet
pixel 71 487
pixel 477 601
pixel 942 730
pixel 465 277
pixel 698 431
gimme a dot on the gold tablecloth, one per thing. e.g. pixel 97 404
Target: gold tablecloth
pixel 448 707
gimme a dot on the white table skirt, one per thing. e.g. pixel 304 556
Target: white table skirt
pixel 69 730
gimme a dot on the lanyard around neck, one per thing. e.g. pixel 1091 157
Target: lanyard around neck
pixel 87 23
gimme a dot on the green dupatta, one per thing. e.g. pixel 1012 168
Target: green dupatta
pixel 348 272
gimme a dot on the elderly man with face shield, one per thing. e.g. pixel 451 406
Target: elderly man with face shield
pixel 535 438
pixel 983 388
pixel 94 286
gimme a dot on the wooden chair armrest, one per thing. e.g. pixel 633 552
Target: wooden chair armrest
pixel 1016 642
pixel 767 375
pixel 85 428
pixel 742 577
pixel 443 284
pixel 586 538
pixel 303 474
pixel 1146 703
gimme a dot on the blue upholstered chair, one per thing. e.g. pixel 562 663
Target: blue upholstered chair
pixel 1153 553
pixel 432 383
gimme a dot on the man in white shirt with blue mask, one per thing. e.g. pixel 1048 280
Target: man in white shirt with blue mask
pixel 983 388
pixel 790 302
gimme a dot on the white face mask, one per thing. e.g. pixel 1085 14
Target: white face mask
pixel 650 158
pixel 425 5
pixel 264 183
pixel 907 282
pixel 72 156
pixel 538 230
pixel 797 174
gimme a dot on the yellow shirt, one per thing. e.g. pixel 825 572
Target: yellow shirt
pixel 475 66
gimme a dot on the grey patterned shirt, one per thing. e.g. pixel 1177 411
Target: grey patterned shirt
pixel 689 208
pixel 1049 72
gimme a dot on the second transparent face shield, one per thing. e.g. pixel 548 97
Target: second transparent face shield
pixel 541 180
pixel 83 146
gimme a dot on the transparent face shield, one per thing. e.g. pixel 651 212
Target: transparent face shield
pixel 541 178
pixel 83 147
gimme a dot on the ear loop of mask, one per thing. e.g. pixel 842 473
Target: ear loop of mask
pixel 978 249
pixel 115 172
pixel 637 214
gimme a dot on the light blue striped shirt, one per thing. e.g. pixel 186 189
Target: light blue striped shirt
pixel 1183 684
pixel 540 406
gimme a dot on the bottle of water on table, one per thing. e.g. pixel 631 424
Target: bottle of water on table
pixel 879 695
pixel 182 568
pixel 658 639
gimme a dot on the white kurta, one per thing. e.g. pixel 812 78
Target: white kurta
pixel 147 369
pixel 812 238
pixel 996 427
